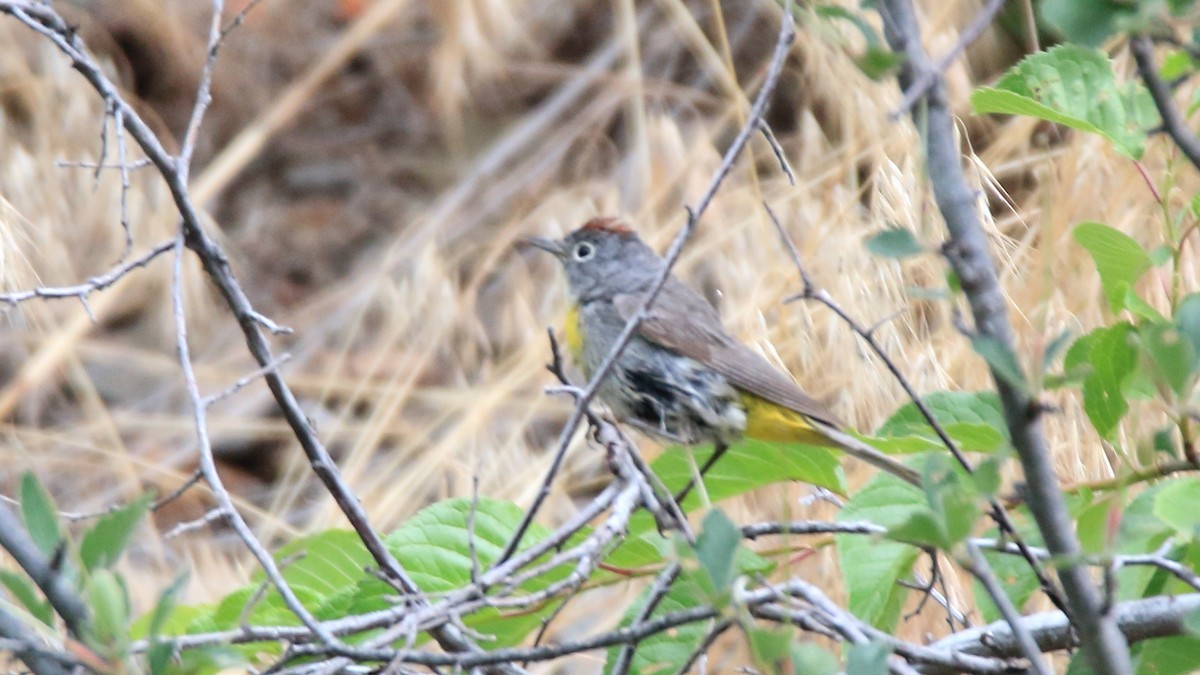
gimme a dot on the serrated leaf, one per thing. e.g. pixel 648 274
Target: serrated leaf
pixel 1112 360
pixel 40 514
pixel 748 465
pixel 715 548
pixel 895 243
pixel 972 419
pixel 433 548
pixel 22 589
pixel 1001 359
pixel 665 652
pixel 1073 86
pixel 103 544
pixel 324 563
pixel 870 567
pixel 1119 259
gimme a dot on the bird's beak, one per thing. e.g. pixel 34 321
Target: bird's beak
pixel 549 245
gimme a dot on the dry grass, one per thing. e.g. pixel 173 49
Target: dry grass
pixel 379 222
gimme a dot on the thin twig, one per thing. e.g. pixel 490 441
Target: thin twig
pixel 1173 121
pixel 96 283
pixel 925 80
pixel 978 566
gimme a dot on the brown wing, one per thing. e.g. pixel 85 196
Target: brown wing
pixel 682 320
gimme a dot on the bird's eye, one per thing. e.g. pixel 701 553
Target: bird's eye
pixel 583 251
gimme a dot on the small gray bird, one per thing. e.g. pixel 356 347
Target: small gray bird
pixel 682 376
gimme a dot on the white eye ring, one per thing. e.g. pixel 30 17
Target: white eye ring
pixel 583 252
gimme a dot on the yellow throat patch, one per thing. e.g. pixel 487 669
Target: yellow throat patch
pixel 573 334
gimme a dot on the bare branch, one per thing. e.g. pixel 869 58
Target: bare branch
pixel 1173 121
pixel 978 566
pixel 96 283
pixel 967 251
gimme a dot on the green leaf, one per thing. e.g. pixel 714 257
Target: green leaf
pixel 159 655
pixel 1176 64
pixel 1191 623
pixel 923 528
pixel 868 659
pixel 1187 319
pixel 972 419
pixel 872 567
pixel 1112 359
pixel 715 548
pixel 325 563
pixel 1119 259
pixel 109 602
pixel 878 63
pixel 667 651
pixel 1139 307
pixel 1161 255
pixel 1087 22
pixel 22 589
pixel 1012 571
pixel 1178 655
pixel 748 465
pixel 1094 526
pixel 1175 505
pixel 1001 359
pixel 103 544
pixel 1173 355
pixel 809 659
pixel 1075 87
pixel 1140 531
pixel 40 514
pixel 770 648
pixel 894 242
pixel 433 548
pixel 953 506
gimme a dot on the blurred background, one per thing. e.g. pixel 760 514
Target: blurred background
pixel 369 165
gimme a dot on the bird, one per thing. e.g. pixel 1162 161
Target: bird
pixel 682 376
